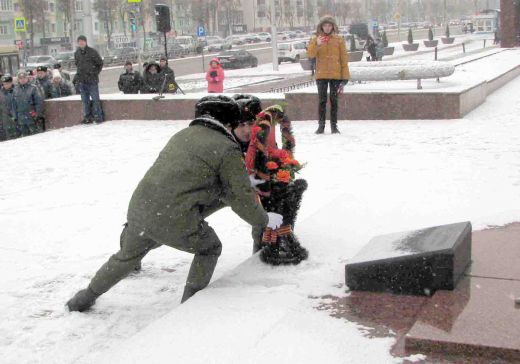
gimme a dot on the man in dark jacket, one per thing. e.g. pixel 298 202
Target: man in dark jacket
pixel 165 69
pixel 28 106
pixel 42 82
pixel 170 86
pixel 200 171
pixel 152 79
pixel 88 67
pixel 130 80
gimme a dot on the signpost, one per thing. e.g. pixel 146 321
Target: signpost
pixel 397 18
pixel 20 25
pixel 201 32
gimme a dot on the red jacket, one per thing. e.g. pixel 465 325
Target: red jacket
pixel 215 83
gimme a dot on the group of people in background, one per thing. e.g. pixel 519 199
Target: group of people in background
pixel 160 78
pixel 376 48
pixel 156 78
pixel 21 99
pixel 21 106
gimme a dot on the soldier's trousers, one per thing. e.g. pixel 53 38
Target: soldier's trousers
pixel 134 246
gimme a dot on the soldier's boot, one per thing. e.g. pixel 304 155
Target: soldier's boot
pixel 200 274
pixel 204 262
pixel 133 248
pixel 82 300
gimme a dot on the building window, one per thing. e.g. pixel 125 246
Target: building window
pixel 78 5
pixel 96 26
pixel 53 28
pixel 51 7
pixel 78 26
pixel 4 29
pixel 6 5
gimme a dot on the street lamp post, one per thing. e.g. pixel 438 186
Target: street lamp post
pixel 274 40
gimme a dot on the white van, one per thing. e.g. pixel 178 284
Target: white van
pixel 187 42
pixel 291 52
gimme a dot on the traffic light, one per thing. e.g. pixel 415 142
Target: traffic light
pixel 133 21
pixel 162 18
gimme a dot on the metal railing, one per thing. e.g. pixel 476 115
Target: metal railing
pixel 295 86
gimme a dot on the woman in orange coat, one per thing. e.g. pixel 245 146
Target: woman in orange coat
pixel 331 69
pixel 215 77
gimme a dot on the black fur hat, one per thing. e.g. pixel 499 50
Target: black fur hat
pixel 7 78
pixel 249 105
pixel 223 108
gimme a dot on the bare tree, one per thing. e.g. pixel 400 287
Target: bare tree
pixel 107 12
pixel 229 10
pixel 343 12
pixel 32 10
pixel 310 12
pixel 355 11
pixel 147 10
pixel 200 12
pixel 66 7
pixel 288 14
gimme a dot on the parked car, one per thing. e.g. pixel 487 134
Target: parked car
pixel 235 40
pixel 187 42
pixel 35 61
pixel 237 59
pixel 300 33
pixel 66 59
pixel 212 39
pixel 219 46
pixel 291 52
pixel 252 38
pixel 281 36
pixel 360 44
pixel 175 50
pixel 264 36
pixel 121 55
pixel 291 34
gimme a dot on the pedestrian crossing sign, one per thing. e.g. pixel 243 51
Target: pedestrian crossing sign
pixel 19 24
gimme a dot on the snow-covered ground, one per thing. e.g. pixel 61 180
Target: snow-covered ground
pixel 64 195
pixel 492 63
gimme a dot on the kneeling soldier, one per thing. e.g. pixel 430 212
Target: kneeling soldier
pixel 200 171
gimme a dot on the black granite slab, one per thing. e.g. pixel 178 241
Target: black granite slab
pixel 414 262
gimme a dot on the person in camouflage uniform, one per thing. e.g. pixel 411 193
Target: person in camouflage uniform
pixel 8 125
pixel 130 80
pixel 43 82
pixel 200 171
pixel 28 106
